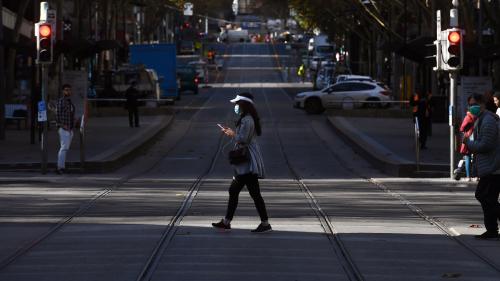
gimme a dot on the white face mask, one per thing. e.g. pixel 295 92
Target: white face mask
pixel 237 109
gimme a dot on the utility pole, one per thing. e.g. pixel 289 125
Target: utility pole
pixel 45 36
pixel 449 57
pixel 3 94
pixel 453 93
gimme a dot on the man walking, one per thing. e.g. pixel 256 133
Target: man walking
pixel 485 147
pixel 132 104
pixel 65 119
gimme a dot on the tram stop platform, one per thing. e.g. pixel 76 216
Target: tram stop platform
pixel 108 141
pixel 389 144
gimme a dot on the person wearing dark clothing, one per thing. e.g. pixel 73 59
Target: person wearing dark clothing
pixel 486 150
pixel 489 102
pixel 132 104
pixel 421 113
pixel 246 173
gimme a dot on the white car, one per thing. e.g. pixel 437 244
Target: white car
pixel 348 94
pixel 350 77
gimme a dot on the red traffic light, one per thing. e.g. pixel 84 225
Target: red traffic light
pixel 45 30
pixel 454 37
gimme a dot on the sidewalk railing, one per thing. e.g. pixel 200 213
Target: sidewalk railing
pixel 417 144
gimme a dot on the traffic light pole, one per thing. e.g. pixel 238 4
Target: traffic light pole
pixel 45 127
pixel 452 119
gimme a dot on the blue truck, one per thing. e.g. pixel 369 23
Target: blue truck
pixel 161 58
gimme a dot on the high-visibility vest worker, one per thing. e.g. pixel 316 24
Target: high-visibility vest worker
pixel 301 70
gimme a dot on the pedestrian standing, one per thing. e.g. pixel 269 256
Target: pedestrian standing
pixel 421 113
pixel 301 72
pixel 496 100
pixel 486 150
pixel 246 173
pixel 467 130
pixel 65 119
pixel 132 104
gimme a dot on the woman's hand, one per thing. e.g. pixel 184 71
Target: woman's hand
pixel 228 132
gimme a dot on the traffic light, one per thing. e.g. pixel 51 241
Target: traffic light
pixel 44 44
pixel 454 41
pixel 439 55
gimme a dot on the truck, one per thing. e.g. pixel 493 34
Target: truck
pixel 162 59
pixel 321 47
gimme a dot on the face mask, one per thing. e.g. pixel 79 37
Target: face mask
pixel 237 109
pixel 475 110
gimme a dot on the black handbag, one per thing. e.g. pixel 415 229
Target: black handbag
pixel 239 155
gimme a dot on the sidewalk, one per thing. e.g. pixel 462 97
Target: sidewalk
pixel 108 141
pixel 390 145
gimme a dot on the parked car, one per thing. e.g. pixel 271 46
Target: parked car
pixel 188 78
pixel 201 69
pixel 186 47
pixel 114 84
pixel 317 62
pixel 348 94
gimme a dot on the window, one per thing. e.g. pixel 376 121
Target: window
pixel 360 86
pixel 339 88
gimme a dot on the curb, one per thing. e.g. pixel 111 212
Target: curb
pixel 380 156
pixel 110 159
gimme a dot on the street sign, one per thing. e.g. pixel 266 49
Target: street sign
pixel 188 9
pixel 42 112
pixel 52 19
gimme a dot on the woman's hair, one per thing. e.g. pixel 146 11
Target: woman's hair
pixel 249 108
pixel 497 95
pixel 477 97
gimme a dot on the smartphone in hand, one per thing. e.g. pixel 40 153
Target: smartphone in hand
pixel 220 126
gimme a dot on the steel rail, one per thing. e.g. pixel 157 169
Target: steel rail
pixel 24 249
pixel 348 264
pixel 450 232
pixel 168 234
pixel 445 229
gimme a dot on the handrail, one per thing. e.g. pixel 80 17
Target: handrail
pixel 417 144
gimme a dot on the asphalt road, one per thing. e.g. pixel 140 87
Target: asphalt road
pixel 334 216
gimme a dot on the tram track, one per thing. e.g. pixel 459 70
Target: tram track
pixel 351 270
pixel 112 188
pixel 450 232
pixel 342 252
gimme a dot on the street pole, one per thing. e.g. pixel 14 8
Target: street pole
pixel 452 114
pixel 453 93
pixel 45 126
pixel 42 105
pixel 3 94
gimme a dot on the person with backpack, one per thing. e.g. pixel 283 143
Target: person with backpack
pixel 247 170
pixel 486 150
